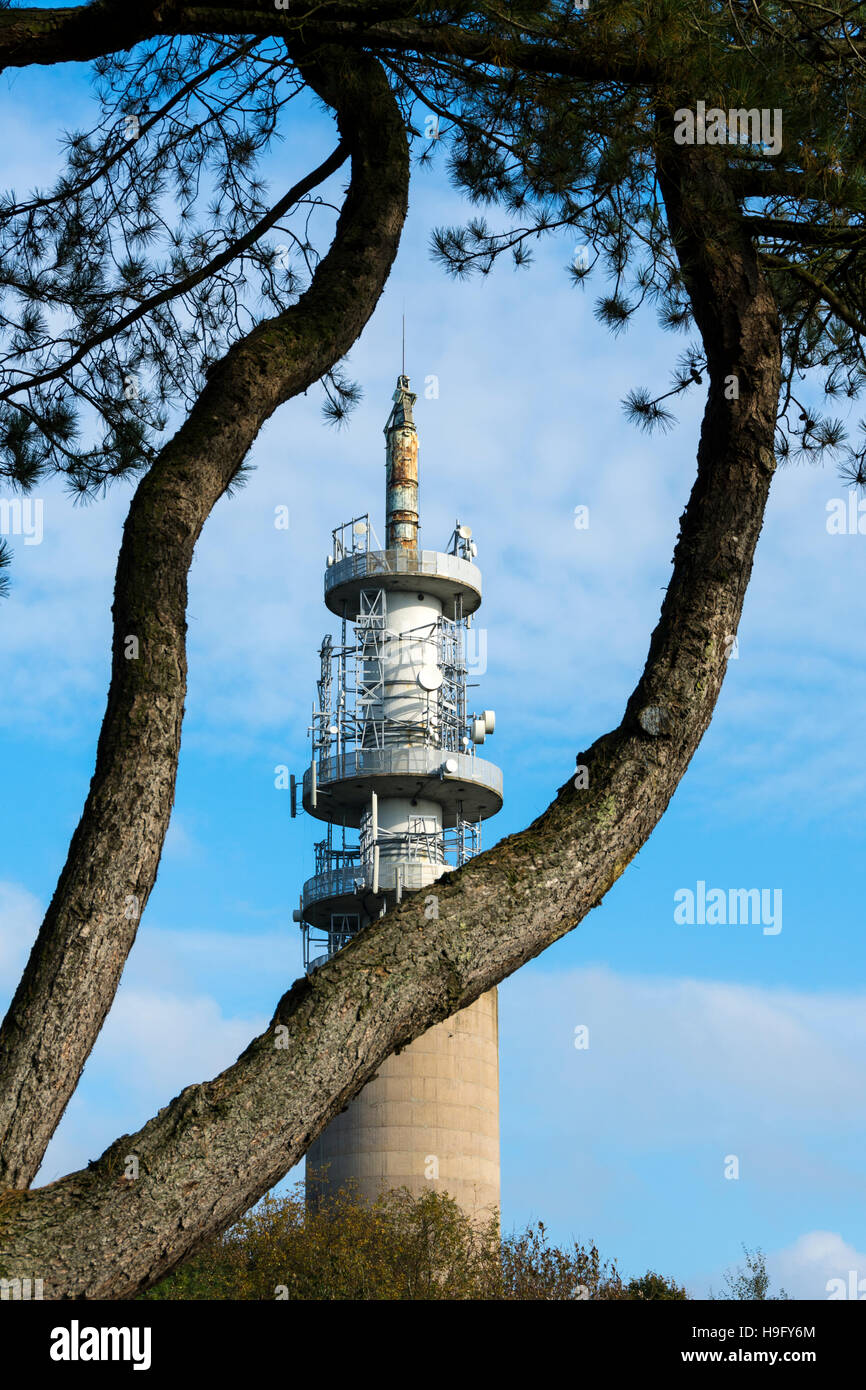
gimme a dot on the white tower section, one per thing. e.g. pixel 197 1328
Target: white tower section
pixel 394 758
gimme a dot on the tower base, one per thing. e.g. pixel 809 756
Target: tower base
pixel 429 1119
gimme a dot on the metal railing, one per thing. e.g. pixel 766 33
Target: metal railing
pixel 373 564
pixel 405 762
pixel 333 883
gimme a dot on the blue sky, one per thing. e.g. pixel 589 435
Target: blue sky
pixel 705 1041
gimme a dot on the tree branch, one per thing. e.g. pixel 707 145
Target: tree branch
pixel 75 34
pixel 580 58
pixel 197 277
pixel 806 233
pixel 76 962
pixel 824 187
pixel 88 31
pixel 821 288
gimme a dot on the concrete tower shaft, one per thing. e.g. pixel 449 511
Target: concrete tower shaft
pixel 429 1121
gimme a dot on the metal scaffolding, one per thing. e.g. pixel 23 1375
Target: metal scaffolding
pixel 393 769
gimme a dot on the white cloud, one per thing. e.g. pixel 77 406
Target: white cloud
pixel 163 1042
pixel 805 1268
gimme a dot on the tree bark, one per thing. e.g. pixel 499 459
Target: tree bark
pixel 217 1147
pixel 81 32
pixel 76 963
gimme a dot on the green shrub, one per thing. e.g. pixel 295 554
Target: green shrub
pixel 397 1247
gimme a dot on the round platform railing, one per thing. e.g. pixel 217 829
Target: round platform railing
pixel 344 782
pixel 446 576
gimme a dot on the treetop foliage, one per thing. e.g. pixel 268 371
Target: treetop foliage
pixel 407 1247
pixel 156 248
pixel 161 242
pixel 400 1247
pixel 584 156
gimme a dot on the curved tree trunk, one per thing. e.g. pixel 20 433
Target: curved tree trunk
pixel 76 963
pixel 219 1146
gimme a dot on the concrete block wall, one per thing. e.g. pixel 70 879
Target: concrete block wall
pixel 430 1119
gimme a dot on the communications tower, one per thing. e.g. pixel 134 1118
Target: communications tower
pixel 396 779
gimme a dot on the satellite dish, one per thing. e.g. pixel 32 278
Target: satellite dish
pixel 360 528
pixel 465 533
pixel 489 717
pixel 430 678
pixel 451 765
pixel 477 731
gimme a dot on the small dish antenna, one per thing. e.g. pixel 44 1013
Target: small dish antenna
pixel 429 678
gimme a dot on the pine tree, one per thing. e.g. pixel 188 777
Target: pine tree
pixel 152 320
